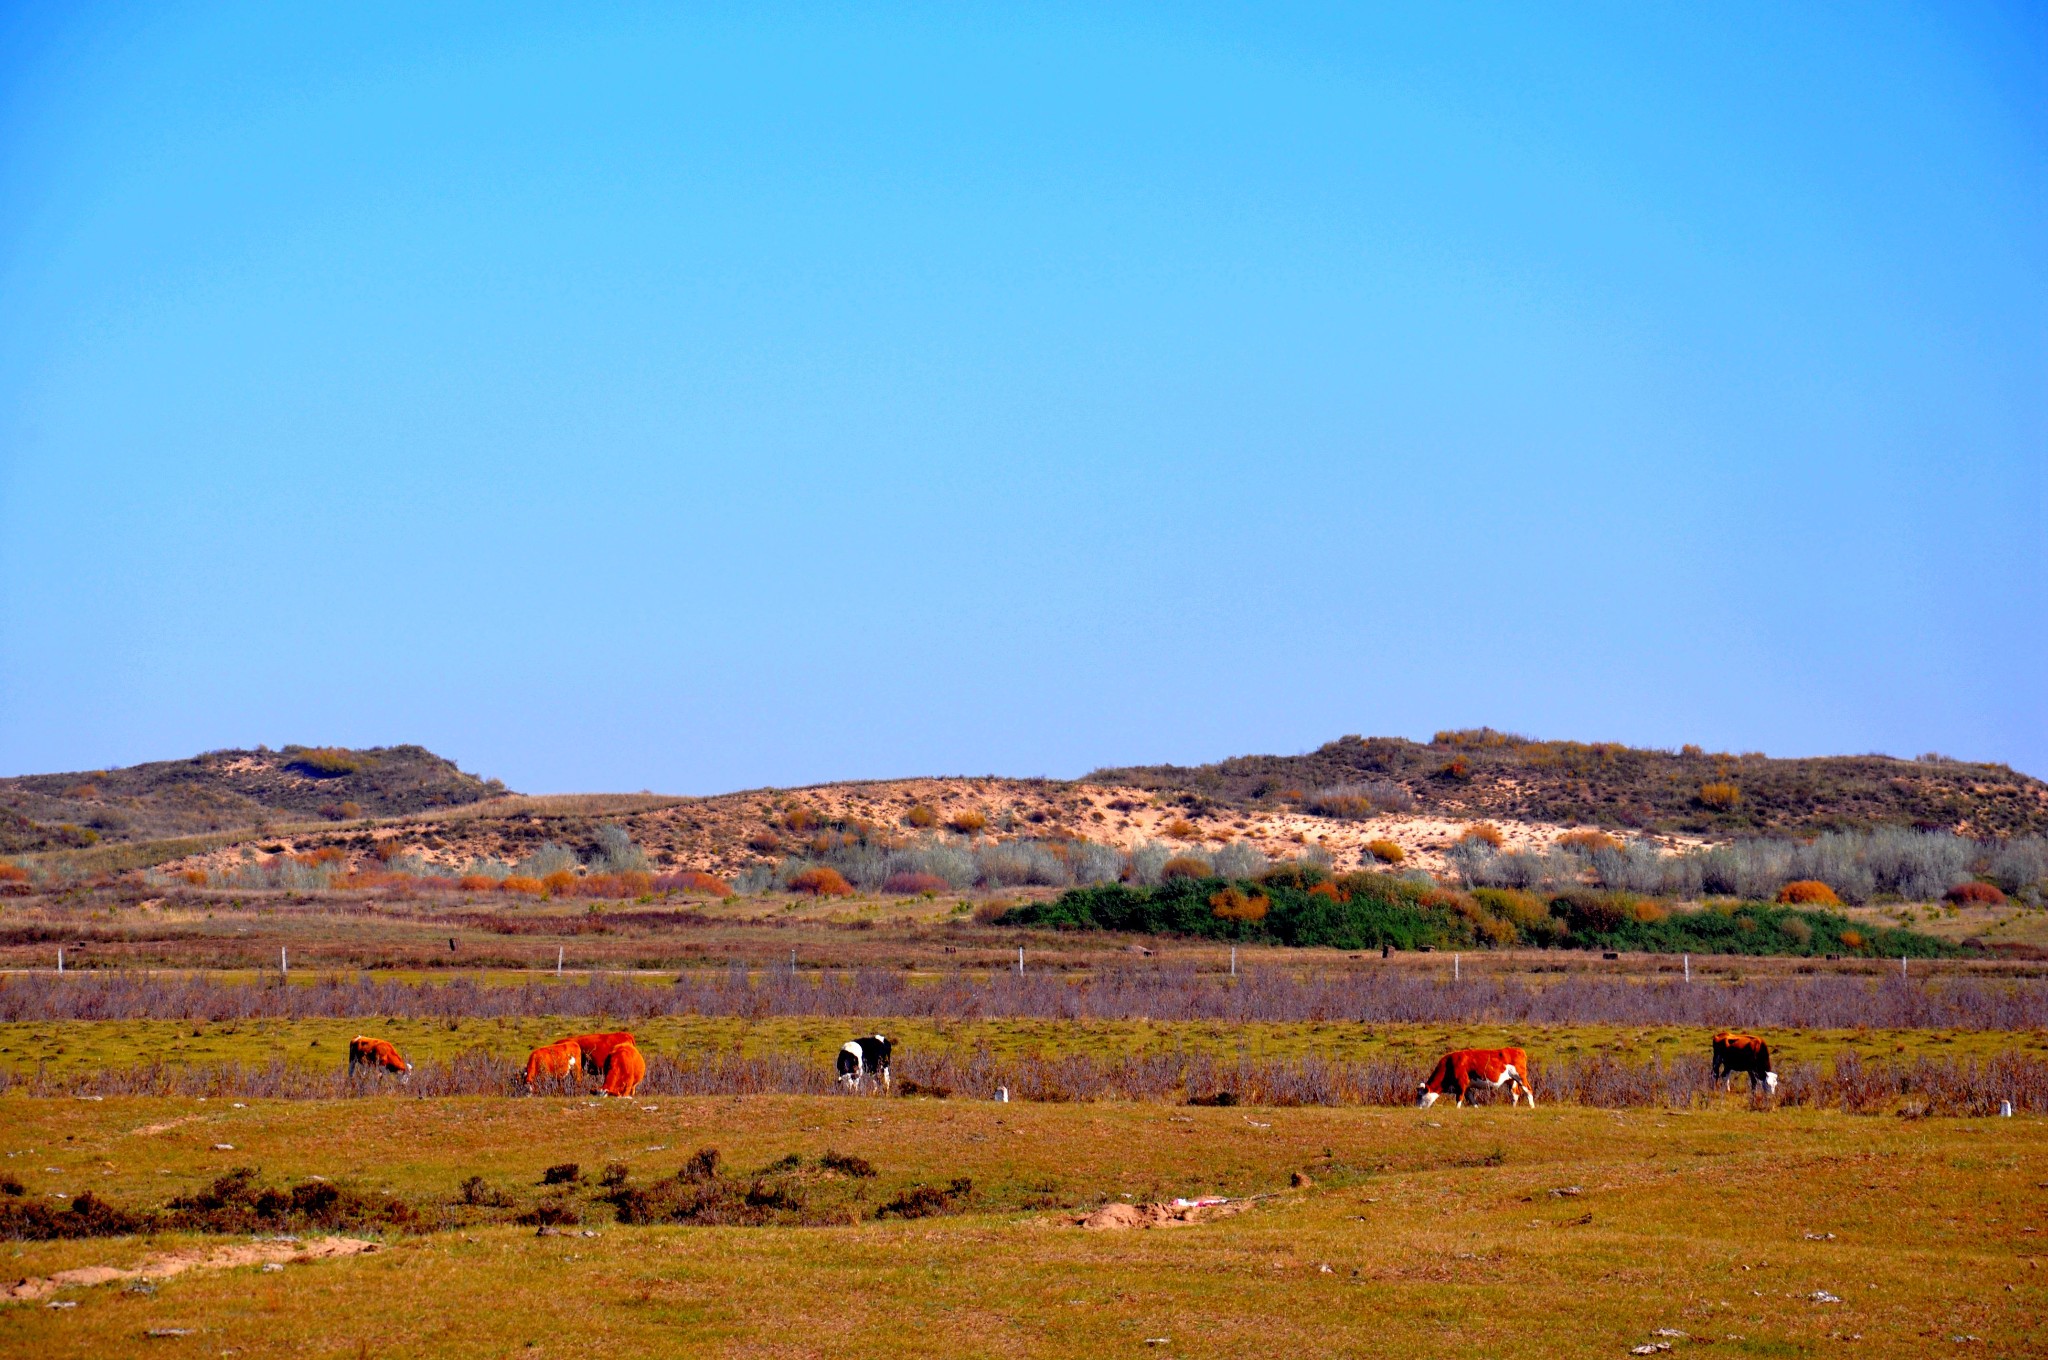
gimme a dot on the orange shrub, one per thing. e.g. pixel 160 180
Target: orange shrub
pixel 1485 832
pixel 764 842
pixel 12 873
pixel 1232 904
pixel 559 882
pixel 1329 890
pixel 967 823
pixel 1720 795
pixel 195 877
pixel 632 883
pixel 1586 842
pixel 800 818
pixel 1181 829
pixel 520 883
pixel 908 882
pixel 694 881
pixel 1385 851
pixel 1852 939
pixel 1808 892
pixel 1459 769
pixel 476 883
pixel 819 881
pixel 1187 866
pixel 921 817
pixel 1975 894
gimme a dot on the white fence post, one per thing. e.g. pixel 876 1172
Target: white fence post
pixel 1233 960
pixel 60 958
pixel 1455 974
pixel 1020 959
pixel 284 968
pixel 1688 968
pixel 558 960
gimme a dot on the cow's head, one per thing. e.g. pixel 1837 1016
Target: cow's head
pixel 1424 1097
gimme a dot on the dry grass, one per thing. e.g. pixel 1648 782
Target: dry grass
pixel 1440 1231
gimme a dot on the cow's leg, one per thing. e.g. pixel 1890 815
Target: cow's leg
pixel 885 1080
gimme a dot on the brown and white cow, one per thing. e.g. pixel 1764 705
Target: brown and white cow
pixel 1744 1053
pixel 1458 1073
pixel 377 1054
pixel 558 1061
pixel 624 1070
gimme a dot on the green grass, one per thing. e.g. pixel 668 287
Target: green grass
pixel 1439 1231
pixel 63 1047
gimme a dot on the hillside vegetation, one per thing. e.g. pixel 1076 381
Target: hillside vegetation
pixel 1484 773
pixel 223 790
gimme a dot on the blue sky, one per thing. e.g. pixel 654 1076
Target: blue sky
pixel 618 397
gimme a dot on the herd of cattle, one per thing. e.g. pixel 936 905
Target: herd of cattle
pixel 616 1063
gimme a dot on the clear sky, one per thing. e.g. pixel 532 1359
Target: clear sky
pixel 690 398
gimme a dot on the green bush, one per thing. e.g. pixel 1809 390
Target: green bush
pixel 1366 910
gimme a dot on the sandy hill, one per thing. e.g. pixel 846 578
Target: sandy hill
pixel 1486 774
pixel 223 790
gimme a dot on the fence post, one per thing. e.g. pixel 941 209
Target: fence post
pixel 558 960
pixel 60 958
pixel 1454 968
pixel 1233 960
pixel 1688 967
pixel 284 969
pixel 1902 965
pixel 792 962
pixel 1020 959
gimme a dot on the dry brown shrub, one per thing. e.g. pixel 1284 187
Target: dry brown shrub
pixel 765 842
pixel 13 873
pixel 967 823
pixel 1385 851
pixel 1586 842
pixel 1808 892
pixel 1648 912
pixel 800 819
pixel 1485 832
pixel 559 882
pixel 921 817
pixel 1181 829
pixel 195 877
pixel 1975 894
pixel 1459 769
pixel 520 883
pixel 1720 795
pixel 1187 866
pixel 819 881
pixel 1233 904
pixel 693 881
pixel 476 883
pixel 908 882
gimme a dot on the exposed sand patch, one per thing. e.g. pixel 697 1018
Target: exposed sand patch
pixel 1130 1217
pixel 165 1266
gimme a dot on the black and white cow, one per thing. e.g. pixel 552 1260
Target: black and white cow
pixel 864 1058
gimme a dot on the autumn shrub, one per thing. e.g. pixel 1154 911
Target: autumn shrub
pixel 1645 912
pixel 1588 841
pixel 1720 795
pixel 520 883
pixel 1234 904
pixel 921 816
pixel 765 842
pixel 194 877
pixel 819 881
pixel 909 881
pixel 1851 939
pixel 1457 769
pixel 1385 851
pixel 1181 829
pixel 559 882
pixel 1524 909
pixel 476 883
pixel 1485 833
pixel 631 883
pixel 1359 801
pixel 12 873
pixel 800 819
pixel 967 823
pixel 1186 866
pixel 693 881
pixel 327 762
pixel 1329 892
pixel 1975 894
pixel 1808 892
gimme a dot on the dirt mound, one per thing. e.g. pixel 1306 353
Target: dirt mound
pixel 1177 1214
pixel 178 1262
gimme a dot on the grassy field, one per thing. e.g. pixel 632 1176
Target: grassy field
pixel 62 1047
pixel 1423 1233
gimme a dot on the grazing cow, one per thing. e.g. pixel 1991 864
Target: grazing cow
pixel 377 1054
pixel 596 1048
pixel 1461 1072
pixel 1743 1053
pixel 624 1069
pixel 559 1061
pixel 860 1059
